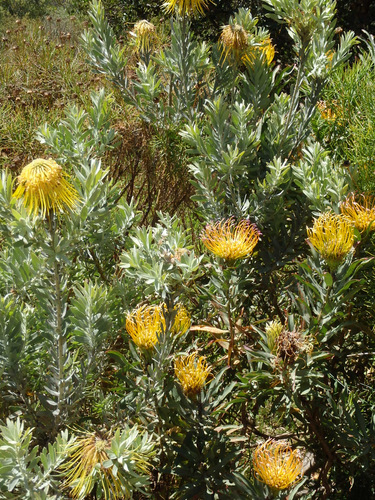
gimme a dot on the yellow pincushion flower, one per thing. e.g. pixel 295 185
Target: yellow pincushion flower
pixel 230 241
pixel 145 34
pixel 182 320
pixel 192 373
pixel 326 112
pixel 43 186
pixel 144 325
pixel 85 467
pixel 333 237
pixel 186 7
pixel 276 464
pixel 273 330
pixel 90 464
pixel 268 50
pixel 359 211
pixel 233 40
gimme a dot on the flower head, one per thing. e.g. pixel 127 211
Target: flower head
pixel 233 40
pixel 182 320
pixel 85 467
pixel 144 33
pixel 93 460
pixel 268 49
pixel 276 464
pixel 359 211
pixel 230 241
pixel 273 330
pixel 43 186
pixel 192 373
pixel 333 237
pixel 186 7
pixel 326 112
pixel 144 325
pixel 289 345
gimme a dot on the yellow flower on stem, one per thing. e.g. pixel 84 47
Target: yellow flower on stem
pixel 192 373
pixel 43 186
pixel 86 466
pixel 144 325
pixel 182 320
pixel 326 112
pixel 186 7
pixel 230 241
pixel 359 211
pixel 273 330
pixel 333 237
pixel 233 40
pixel 145 34
pixel 276 464
pixel 268 50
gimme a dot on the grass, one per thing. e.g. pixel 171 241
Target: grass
pixel 42 72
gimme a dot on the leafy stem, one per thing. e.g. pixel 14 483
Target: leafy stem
pixel 59 327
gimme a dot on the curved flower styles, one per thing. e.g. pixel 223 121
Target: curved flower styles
pixel 359 211
pixel 273 330
pixel 192 373
pixel 233 40
pixel 144 325
pixel 182 320
pixel 333 237
pixel 43 186
pixel 276 464
pixel 268 50
pixel 85 466
pixel 230 241
pixel 186 7
pixel 144 33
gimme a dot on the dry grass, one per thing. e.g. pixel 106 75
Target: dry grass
pixel 42 72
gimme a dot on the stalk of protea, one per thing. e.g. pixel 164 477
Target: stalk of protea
pixel 277 464
pixel 192 373
pixel 186 7
pixel 333 237
pixel 43 187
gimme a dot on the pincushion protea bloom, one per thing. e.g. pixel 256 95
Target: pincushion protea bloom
pixel 268 49
pixel 359 211
pixel 192 373
pixel 43 186
pixel 276 464
pixel 333 237
pixel 233 40
pixel 186 7
pixel 85 467
pixel 230 241
pixel 144 33
pixel 182 320
pixel 145 324
pixel 273 330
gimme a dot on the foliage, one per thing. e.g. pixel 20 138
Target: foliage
pixel 344 124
